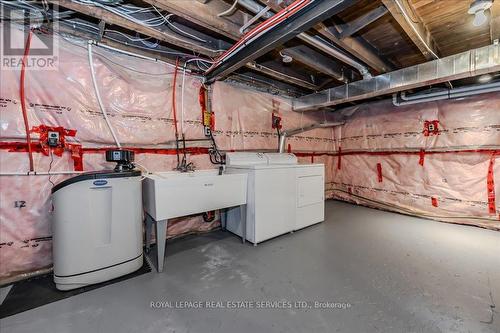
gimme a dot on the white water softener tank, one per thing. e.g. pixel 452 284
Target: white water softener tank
pixel 97 224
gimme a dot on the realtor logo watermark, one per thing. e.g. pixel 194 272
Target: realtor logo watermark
pixel 15 26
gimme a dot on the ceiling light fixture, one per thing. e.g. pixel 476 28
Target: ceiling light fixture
pixel 477 8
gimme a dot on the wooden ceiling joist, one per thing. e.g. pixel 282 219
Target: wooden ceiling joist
pixel 112 18
pixel 416 31
pixel 361 22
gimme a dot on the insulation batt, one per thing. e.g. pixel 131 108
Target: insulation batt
pixel 137 95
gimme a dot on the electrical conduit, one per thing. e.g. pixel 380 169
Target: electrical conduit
pixel 98 95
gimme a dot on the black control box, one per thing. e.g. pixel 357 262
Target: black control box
pixel 123 159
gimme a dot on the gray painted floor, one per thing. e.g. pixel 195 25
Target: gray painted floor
pixel 392 272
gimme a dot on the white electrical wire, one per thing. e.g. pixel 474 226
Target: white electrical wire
pixel 98 95
pixel 150 22
pixel 182 87
pixel 230 10
pixel 166 18
pixel 74 23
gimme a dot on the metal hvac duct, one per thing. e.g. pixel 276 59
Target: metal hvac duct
pixel 463 65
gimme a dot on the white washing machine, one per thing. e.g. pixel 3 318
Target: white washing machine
pixel 282 196
pixel 97 227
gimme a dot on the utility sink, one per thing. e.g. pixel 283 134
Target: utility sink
pixel 172 194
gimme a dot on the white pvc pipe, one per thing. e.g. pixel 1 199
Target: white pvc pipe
pixel 484 88
pixel 417 101
pixel 98 95
pixel 448 94
pixel 334 52
pixel 420 96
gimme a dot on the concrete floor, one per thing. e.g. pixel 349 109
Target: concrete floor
pixel 392 273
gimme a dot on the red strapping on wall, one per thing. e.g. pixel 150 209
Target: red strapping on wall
pixel 491 186
pixel 339 162
pixel 379 172
pixel 289 149
pixel 434 201
pixel 422 157
pixel 77 151
pixel 23 99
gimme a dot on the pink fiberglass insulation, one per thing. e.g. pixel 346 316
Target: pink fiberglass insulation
pixel 430 159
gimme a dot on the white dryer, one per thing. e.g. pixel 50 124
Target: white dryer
pixel 282 196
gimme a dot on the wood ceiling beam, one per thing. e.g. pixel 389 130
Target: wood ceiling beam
pixel 495 21
pixel 351 45
pixel 112 18
pixel 351 28
pixel 413 30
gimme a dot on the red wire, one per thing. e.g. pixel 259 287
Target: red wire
pixel 278 18
pixel 201 100
pixel 274 20
pixel 23 99
pixel 174 107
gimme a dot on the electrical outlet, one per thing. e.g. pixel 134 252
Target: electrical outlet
pixel 53 139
